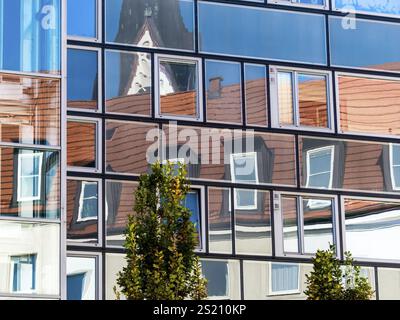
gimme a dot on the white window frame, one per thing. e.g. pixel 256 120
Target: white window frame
pixel 278 223
pixel 82 200
pixel 99 77
pixel 98 268
pixel 11 276
pixel 99 218
pixel 32 155
pixel 98 16
pixel 274 89
pixel 233 157
pixel 325 6
pixel 309 153
pixel 392 178
pixel 98 144
pixel 283 292
pixel 158 58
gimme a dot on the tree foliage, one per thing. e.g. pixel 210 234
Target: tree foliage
pixel 160 241
pixel 331 280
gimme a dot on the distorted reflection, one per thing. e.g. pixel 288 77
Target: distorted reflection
pixel 81 278
pixel 256 94
pixel 81 144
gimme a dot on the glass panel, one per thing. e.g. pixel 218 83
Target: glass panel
pixel 223 85
pixel 76 10
pixel 223 278
pixel 274 281
pixel 192 202
pixel 128 82
pixel 313 104
pixel 244 167
pixel 369 105
pixel 29 183
pixel 178 86
pixel 81 144
pixel 290 224
pixel 319 167
pixel 126 146
pixel 251 32
pixel 219 220
pixel 155 23
pixel 365 46
pixel 82 211
pixel 318 224
pixel 285 98
pixel 313 2
pixel 209 150
pixel 114 264
pixel 120 201
pixel 29 258
pixel 253 224
pixel 256 94
pixel 81 278
pixel 391 7
pixel 82 79
pixel 372 227
pixel 30 33
pixel 389 284
pixel 357 165
pixel 29 110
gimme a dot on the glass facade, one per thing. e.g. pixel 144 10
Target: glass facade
pixel 285 113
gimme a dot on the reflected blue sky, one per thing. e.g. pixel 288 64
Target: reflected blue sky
pixel 230 72
pixel 369 44
pixel 113 79
pixel 254 72
pixel 81 18
pixel 269 34
pixel 378 6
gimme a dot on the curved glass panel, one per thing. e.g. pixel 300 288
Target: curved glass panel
pixel 252 32
pixel 151 23
pixel 30 33
pixel 359 43
pixel 372 227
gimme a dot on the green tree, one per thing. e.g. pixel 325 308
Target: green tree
pixel 160 241
pixel 330 280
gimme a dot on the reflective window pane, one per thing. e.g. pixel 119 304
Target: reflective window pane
pixel 365 46
pixel 30 33
pixel 114 264
pixel 356 165
pixel 208 154
pixel 223 86
pixel 219 220
pixel 256 94
pixel 155 23
pixel 369 105
pixel 253 224
pixel 290 221
pixel 391 7
pixel 83 90
pixel 81 144
pixel 313 101
pixel 251 32
pixel 120 201
pixel 372 227
pixel 29 182
pixel 394 153
pixel 82 211
pixel 81 278
pixel 285 98
pixel 192 202
pixel 77 25
pixel 318 224
pixel 389 283
pixel 274 281
pixel 178 88
pixel 223 278
pixel 128 82
pixel 29 110
pixel 29 258
pixel 126 146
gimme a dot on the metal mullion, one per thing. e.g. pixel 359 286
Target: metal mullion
pixel 233 220
pixel 295 97
pixel 300 223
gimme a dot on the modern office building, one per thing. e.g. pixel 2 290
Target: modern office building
pixel 287 113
